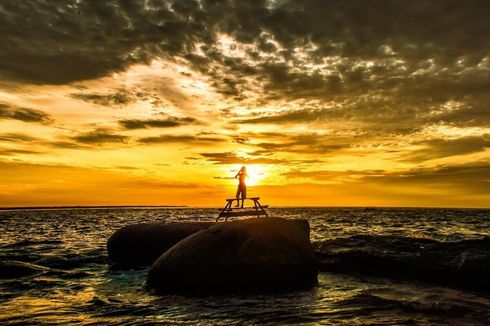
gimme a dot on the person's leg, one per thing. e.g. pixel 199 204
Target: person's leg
pixel 244 194
pixel 238 191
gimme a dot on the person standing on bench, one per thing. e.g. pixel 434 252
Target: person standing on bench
pixel 242 187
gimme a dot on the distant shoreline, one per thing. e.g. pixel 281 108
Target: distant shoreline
pixel 89 207
pixel 218 207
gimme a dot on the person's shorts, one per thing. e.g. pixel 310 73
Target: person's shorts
pixel 242 189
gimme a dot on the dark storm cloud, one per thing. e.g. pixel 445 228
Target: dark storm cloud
pixel 308 143
pixel 231 158
pixel 288 116
pixel 461 174
pixel 66 144
pixel 12 152
pixel 118 98
pixel 371 109
pixel 365 141
pixel 99 136
pixel 60 38
pixel 395 60
pixel 157 123
pixel 438 148
pixel 397 112
pixel 65 41
pixel 16 138
pixel 180 139
pixel 23 114
pixel 323 175
pixel 474 111
pixel 121 97
pixel 20 138
pixel 469 176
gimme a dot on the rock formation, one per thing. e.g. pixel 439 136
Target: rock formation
pixel 142 244
pixel 256 255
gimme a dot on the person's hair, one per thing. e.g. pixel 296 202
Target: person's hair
pixel 244 168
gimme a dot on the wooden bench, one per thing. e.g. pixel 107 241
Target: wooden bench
pixel 229 211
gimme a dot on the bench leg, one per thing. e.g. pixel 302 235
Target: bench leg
pixel 256 207
pixel 224 210
pixel 262 208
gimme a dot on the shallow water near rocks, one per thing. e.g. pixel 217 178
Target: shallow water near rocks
pixel 78 287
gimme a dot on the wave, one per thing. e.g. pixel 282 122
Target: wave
pixel 366 302
pixel 464 264
pixel 25 243
pixel 74 260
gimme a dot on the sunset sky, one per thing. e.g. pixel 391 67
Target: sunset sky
pixel 329 103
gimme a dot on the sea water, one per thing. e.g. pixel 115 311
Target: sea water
pixel 79 287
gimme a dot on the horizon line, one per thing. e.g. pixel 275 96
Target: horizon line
pixel 6 208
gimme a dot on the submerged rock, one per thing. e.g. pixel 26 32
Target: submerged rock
pixel 464 264
pixel 256 255
pixel 142 244
pixel 14 269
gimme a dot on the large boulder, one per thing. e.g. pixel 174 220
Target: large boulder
pixel 256 255
pixel 142 244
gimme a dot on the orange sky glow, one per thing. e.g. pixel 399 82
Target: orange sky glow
pixel 93 121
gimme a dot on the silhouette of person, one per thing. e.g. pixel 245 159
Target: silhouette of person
pixel 242 187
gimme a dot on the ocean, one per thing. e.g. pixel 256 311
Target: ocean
pixel 380 266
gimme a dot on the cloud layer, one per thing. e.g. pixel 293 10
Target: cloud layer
pixel 326 91
pixel 23 114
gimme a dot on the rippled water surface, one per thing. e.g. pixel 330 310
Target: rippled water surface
pixel 78 287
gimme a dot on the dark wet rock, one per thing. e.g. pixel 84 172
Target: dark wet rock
pixel 256 255
pixel 142 244
pixel 464 264
pixel 14 269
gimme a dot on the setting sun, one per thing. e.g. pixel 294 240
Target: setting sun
pixel 255 173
